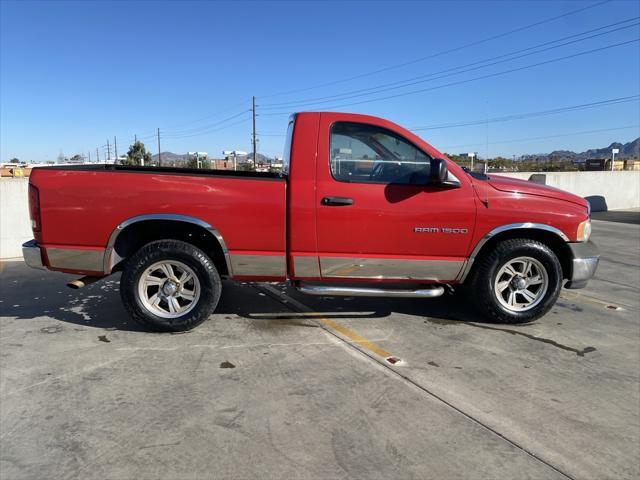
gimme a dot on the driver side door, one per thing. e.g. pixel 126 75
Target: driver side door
pixel 376 217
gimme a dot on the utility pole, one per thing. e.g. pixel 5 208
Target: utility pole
pixel 255 157
pixel 135 139
pixel 89 152
pixel 159 154
pixel 108 151
pixel 115 147
pixel 97 156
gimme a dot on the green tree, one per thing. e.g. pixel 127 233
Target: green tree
pixel 458 159
pixel 14 160
pixel 76 158
pixel 193 163
pixel 500 163
pixel 246 167
pixel 137 154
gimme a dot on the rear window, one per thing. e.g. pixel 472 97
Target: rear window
pixel 286 157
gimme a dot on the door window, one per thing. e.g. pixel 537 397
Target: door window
pixel 363 153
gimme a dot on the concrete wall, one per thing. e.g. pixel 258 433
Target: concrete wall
pixel 15 228
pixel 604 190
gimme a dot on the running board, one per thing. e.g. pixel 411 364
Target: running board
pixel 332 291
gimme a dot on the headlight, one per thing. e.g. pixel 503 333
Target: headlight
pixel 584 231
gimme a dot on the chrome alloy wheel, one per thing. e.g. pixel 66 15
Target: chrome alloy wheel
pixel 169 289
pixel 521 284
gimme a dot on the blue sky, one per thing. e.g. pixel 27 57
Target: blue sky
pixel 73 74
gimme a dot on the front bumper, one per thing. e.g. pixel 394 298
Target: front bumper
pixel 32 255
pixel 585 258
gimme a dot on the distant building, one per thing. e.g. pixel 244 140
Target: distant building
pixel 221 164
pixel 595 164
pixel 235 157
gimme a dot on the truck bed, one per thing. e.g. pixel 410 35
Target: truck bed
pixel 82 206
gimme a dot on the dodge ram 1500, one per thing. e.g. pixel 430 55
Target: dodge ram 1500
pixel 362 207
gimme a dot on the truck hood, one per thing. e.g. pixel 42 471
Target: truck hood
pixel 515 185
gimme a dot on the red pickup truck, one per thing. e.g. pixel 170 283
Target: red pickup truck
pixel 362 207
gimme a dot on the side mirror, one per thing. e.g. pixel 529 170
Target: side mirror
pixel 439 173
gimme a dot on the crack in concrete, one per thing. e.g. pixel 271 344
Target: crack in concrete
pixel 548 341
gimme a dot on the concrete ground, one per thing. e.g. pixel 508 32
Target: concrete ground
pixel 279 385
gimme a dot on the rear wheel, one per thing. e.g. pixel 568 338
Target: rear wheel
pixel 518 282
pixel 170 285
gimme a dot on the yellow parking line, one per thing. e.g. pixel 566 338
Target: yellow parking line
pixel 355 338
pixel 346 332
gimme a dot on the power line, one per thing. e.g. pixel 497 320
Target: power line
pixel 443 52
pixel 482 77
pixel 206 127
pixel 516 116
pixel 522 116
pixel 189 131
pixel 196 131
pixel 208 116
pixel 207 132
pixel 584 132
pixel 476 66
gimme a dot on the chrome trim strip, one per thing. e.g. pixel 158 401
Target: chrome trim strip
pixel 259 265
pixel 111 257
pixel 504 228
pixel 32 255
pixel 76 259
pixel 466 268
pixel 390 268
pixel 304 266
pixel 329 291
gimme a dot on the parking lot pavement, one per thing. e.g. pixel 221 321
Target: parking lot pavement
pixel 280 385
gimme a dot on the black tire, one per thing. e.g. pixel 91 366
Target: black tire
pixel 201 265
pixel 481 284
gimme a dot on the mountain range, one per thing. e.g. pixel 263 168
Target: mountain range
pixel 627 151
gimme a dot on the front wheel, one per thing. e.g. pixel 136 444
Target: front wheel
pixel 518 282
pixel 170 285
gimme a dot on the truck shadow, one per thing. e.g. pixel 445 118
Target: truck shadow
pixel 450 308
pixel 618 216
pixel 33 295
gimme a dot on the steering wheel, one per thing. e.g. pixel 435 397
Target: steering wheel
pixel 377 171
